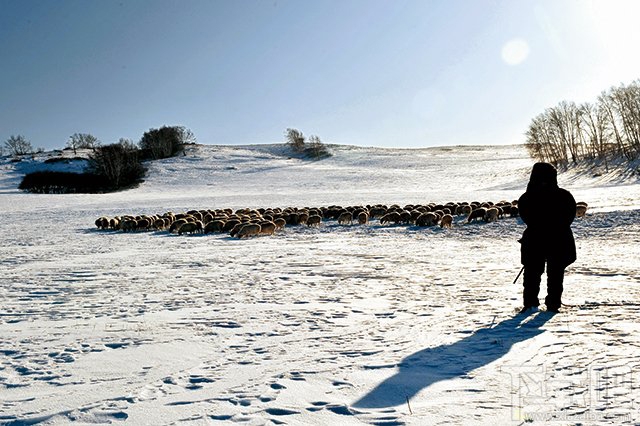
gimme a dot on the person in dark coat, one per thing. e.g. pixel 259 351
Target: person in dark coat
pixel 548 212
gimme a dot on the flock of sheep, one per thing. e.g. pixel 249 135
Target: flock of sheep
pixel 245 223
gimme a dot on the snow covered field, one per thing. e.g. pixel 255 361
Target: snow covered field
pixel 383 325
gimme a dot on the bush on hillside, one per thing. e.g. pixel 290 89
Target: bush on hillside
pixel 118 163
pixel 63 183
pixel 296 140
pixel 165 142
pixel 112 168
pixel 316 149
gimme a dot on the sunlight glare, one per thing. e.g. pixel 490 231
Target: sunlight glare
pixel 515 51
pixel 614 24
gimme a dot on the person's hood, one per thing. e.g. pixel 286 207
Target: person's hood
pixel 543 175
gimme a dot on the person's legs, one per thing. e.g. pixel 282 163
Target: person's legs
pixel 555 278
pixel 532 275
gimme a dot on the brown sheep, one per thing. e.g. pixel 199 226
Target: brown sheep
pixel 466 210
pixel 230 224
pixel 214 226
pixel 280 222
pixel 415 214
pixel 248 230
pixel 581 209
pixel 191 227
pixel 175 226
pixel 114 223
pixel 405 216
pixel 234 231
pixel 390 217
pixel 102 222
pixel 363 218
pixel 314 220
pixel 427 219
pixel 491 214
pixel 478 213
pixel 267 228
pixel 446 221
pixel 129 225
pixel 302 218
pixel 377 212
pixel 345 218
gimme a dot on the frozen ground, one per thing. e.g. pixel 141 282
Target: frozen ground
pixel 383 325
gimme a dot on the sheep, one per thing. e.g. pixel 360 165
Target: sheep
pixel 175 226
pixel 314 220
pixel 478 213
pixel 377 212
pixel 491 215
pixel 234 231
pixel 129 225
pixel 390 217
pixel 191 227
pixel 346 218
pixel 230 224
pixel 248 230
pixel 214 226
pixel 467 209
pixel 363 218
pixel 293 218
pixel 405 216
pixel 303 217
pixel 581 209
pixel 427 219
pixel 267 228
pixel 114 223
pixel 415 214
pixel 102 222
pixel 280 222
pixel 446 221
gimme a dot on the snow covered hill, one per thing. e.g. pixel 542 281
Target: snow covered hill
pixel 336 325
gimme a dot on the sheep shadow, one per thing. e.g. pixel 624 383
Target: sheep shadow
pixel 431 365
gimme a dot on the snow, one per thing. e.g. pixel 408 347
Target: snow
pixel 336 325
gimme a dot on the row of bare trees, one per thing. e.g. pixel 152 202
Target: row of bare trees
pixel 600 132
pixel 17 145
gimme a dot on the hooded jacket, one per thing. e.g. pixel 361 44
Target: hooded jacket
pixel 548 212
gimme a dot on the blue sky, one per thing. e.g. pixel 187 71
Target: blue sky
pixel 375 73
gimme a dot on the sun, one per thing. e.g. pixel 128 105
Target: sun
pixel 515 51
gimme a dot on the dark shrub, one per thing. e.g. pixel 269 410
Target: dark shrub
pixel 63 182
pixel 165 142
pixel 119 164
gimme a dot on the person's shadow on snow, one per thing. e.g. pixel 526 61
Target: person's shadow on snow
pixel 431 365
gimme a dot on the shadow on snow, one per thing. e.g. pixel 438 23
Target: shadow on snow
pixel 428 366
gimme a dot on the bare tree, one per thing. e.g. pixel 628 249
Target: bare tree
pixel 18 145
pixel 295 139
pixel 625 101
pixel 82 141
pixel 597 131
pixel 316 148
pixel 610 127
pixel 127 143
